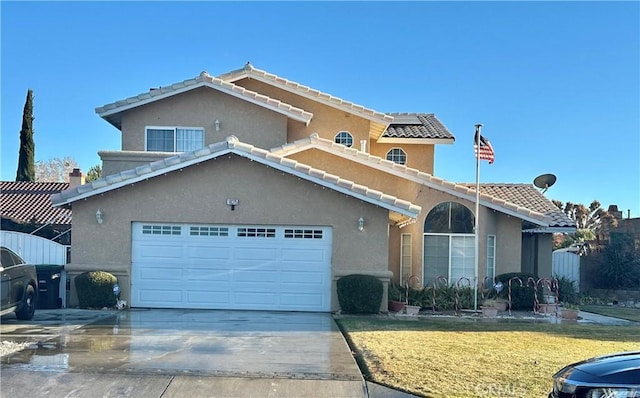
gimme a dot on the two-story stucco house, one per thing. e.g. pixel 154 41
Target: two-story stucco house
pixel 251 191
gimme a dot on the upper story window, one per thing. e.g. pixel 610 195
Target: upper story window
pixel 345 138
pixel 397 155
pixel 174 139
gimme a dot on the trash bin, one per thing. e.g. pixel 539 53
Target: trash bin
pixel 49 277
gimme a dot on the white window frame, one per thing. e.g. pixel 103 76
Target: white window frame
pixel 491 256
pixel 175 136
pixel 394 153
pixel 450 256
pixel 405 257
pixel 343 133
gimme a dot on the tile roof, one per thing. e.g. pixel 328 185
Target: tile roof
pixel 233 145
pixel 417 125
pixel 249 71
pixel 459 190
pixel 110 111
pixel 24 201
pixel 528 196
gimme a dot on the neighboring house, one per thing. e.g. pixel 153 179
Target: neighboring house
pixel 250 191
pixel 29 203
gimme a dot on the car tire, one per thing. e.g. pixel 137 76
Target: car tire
pixel 28 308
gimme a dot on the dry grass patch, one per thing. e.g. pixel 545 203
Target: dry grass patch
pixel 463 358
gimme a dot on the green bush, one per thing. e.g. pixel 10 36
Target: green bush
pixel 359 294
pixel 567 292
pixel 95 289
pixel 522 297
pixel 446 297
pixel 396 292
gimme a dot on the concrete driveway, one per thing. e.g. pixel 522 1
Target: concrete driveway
pixel 179 353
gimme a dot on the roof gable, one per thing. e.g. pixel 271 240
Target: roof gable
pixel 111 112
pixel 24 201
pixel 232 145
pixel 379 120
pixel 462 191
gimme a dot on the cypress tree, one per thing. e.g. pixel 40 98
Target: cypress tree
pixel 26 163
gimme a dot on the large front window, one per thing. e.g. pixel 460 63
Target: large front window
pixel 449 243
pixel 174 139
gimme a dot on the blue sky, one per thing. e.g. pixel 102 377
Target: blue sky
pixel 556 84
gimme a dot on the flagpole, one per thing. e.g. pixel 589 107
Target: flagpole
pixel 475 227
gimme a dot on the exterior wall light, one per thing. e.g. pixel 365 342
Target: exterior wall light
pixel 361 224
pixel 217 123
pixel 99 218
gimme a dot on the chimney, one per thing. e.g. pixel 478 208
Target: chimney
pixel 76 178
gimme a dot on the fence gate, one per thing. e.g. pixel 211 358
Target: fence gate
pixel 567 263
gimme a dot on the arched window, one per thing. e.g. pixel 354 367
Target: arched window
pixel 449 243
pixel 397 155
pixel 345 138
pixel 449 218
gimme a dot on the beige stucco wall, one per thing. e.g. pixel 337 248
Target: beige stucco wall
pixel 418 156
pixel 201 107
pixel 327 121
pixel 198 194
pixel 114 162
pixel 507 229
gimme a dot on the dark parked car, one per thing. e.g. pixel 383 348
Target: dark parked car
pixel 607 376
pixel 19 289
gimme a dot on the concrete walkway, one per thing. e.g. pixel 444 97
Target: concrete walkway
pixel 180 353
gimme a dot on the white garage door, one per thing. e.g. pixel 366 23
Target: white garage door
pixel 231 267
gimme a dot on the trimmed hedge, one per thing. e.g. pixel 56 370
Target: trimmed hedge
pixel 95 289
pixel 359 294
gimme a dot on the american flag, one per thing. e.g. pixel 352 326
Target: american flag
pixel 486 150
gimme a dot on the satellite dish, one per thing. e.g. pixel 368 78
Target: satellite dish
pixel 544 181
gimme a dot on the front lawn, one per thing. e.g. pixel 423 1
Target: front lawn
pixel 629 313
pixel 462 357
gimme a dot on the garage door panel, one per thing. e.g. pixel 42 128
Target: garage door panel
pixel 307 300
pixel 220 298
pixel 231 267
pixel 160 274
pixel 163 296
pixel 303 278
pixel 208 253
pixel 207 275
pixel 255 299
pixel 308 255
pixel 256 253
pixel 154 252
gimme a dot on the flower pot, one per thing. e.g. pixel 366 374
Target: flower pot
pixel 396 306
pixel 548 308
pixel 570 314
pixel 501 305
pixel 489 312
pixel 412 309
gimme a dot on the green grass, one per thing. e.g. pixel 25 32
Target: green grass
pixel 631 314
pixel 459 357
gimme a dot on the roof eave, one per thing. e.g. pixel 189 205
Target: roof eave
pixel 415 141
pixel 111 112
pixel 376 117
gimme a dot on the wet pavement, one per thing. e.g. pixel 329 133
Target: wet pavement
pixel 164 353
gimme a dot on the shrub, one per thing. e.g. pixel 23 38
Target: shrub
pixel 619 267
pixel 522 297
pixel 396 292
pixel 446 297
pixel 95 289
pixel 567 292
pixel 359 294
